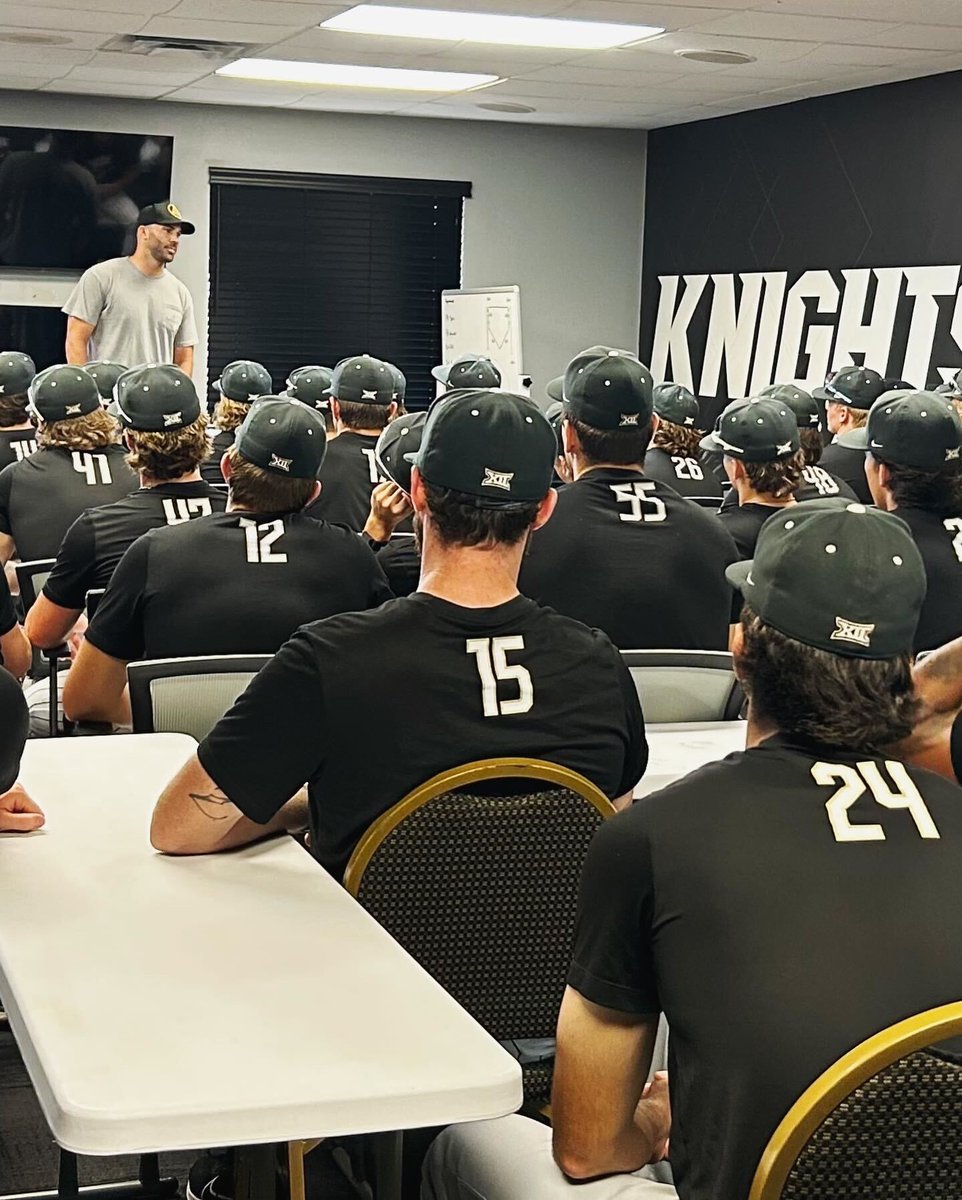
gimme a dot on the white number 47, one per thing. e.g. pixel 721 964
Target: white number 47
pixel 493 665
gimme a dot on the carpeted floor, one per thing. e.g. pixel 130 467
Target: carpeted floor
pixel 29 1157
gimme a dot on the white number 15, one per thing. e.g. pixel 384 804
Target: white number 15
pixel 493 665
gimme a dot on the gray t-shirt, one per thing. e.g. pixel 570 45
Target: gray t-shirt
pixel 138 318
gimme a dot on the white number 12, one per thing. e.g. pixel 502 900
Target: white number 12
pixel 492 666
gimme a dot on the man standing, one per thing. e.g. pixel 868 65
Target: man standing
pixel 132 310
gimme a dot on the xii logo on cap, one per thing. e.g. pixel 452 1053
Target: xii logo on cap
pixel 282 464
pixel 629 418
pixel 852 631
pixel 498 479
pixel 172 418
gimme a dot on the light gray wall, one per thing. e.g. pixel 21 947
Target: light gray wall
pixel 556 210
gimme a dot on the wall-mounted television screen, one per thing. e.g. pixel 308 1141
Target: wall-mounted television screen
pixel 69 197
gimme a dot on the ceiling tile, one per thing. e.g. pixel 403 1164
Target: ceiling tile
pixel 928 12
pixel 792 27
pixel 139 91
pixel 258 12
pixel 180 67
pixel 40 58
pixel 26 17
pixel 265 97
pixel 143 8
pixel 920 37
pixel 79 40
pixel 226 31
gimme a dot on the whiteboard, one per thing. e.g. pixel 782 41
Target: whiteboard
pixel 484 321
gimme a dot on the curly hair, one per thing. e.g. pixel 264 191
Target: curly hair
pixel 13 410
pixel 92 431
pixel 228 414
pixel 677 439
pixel 460 522
pixel 169 455
pixel 858 703
pixel 778 479
pixel 812 445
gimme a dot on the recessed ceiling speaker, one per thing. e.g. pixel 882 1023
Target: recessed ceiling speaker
pixel 506 106
pixel 726 58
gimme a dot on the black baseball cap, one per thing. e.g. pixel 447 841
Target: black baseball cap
pixel 399 440
pixel 609 389
pixel 839 576
pixel 105 375
pixel 493 446
pixel 284 436
pixel 468 371
pixel 400 382
pixel 910 429
pixel 675 403
pixel 801 403
pixel 244 380
pixel 362 380
pixel 858 387
pixel 165 213
pixel 953 388
pixel 754 430
pixel 63 392
pixel 311 385
pixel 556 387
pixel 158 398
pixel 555 414
pixel 17 370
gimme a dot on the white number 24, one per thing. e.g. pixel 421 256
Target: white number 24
pixel 854 780
pixel 493 665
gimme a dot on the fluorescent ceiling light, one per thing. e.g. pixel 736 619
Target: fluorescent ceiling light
pixel 430 23
pixel 276 70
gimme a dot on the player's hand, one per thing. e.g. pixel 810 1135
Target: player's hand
pixel 18 813
pixel 75 637
pixel 389 506
pixel 653 1114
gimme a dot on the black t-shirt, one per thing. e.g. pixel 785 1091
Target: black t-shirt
pixel 400 560
pixel 939 540
pixel 687 474
pixel 817 484
pixel 629 555
pixel 222 441
pixel 367 706
pixel 41 497
pixel 849 465
pixel 778 913
pixel 16 445
pixel 348 477
pixel 232 583
pixel 743 521
pixel 96 541
pixel 8 613
pixel 14 726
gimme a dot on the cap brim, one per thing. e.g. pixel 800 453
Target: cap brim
pixel 113 408
pixel 709 443
pixel 739 573
pixel 555 388
pixel 186 227
pixel 857 439
pixel 440 373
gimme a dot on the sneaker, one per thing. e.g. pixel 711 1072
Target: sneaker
pixel 211 1177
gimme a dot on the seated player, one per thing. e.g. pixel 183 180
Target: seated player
pixel 362 403
pixel 777 906
pixel 555 412
pixel 398 554
pixel 913 463
pixel 105 375
pixel 237 582
pixel 14 647
pixel 78 464
pixel 18 437
pixel 240 383
pixel 759 441
pixel 467 371
pixel 674 456
pixel 165 433
pixel 490 672
pixel 18 813
pixel 817 483
pixel 847 397
pixel 623 552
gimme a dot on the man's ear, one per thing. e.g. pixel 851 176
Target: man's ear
pixel 393 409
pixel 545 509
pixel 734 469
pixel 314 495
pixel 335 409
pixel 225 467
pixel 736 646
pixel 418 497
pixel 569 438
pixel 655 422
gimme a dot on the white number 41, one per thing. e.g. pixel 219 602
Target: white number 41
pixel 493 665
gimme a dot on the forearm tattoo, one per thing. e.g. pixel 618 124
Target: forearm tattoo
pixel 211 804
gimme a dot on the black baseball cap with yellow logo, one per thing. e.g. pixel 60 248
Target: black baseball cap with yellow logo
pixel 165 213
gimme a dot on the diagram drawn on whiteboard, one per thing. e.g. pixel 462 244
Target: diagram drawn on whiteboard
pixel 485 321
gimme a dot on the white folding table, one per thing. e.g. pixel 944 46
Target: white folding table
pixel 676 750
pixel 231 999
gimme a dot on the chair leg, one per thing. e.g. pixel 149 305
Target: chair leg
pixel 53 705
pixel 67 1183
pixel 388 1152
pixel 296 1153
